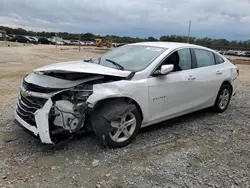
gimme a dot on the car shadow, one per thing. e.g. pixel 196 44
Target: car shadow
pixel 172 123
pixel 88 138
pixel 178 120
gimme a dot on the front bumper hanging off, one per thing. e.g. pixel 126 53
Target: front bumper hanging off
pixel 42 122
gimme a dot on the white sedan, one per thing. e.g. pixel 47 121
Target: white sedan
pixel 130 87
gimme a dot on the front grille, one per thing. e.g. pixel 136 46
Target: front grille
pixel 27 106
pixel 35 88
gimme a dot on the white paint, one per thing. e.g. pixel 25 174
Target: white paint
pixel 134 89
pixel 176 94
pixel 165 69
pixel 171 45
pixel 83 67
pixel 160 98
pixel 42 122
pixel 154 49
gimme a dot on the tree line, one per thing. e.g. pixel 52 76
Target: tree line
pixel 219 44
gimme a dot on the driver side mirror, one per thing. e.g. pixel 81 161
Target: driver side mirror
pixel 165 69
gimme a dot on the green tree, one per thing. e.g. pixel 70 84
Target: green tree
pixel 220 44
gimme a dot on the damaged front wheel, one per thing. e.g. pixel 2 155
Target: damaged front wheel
pixel 117 123
pixel 123 128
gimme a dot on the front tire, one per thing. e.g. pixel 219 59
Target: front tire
pixel 223 98
pixel 118 132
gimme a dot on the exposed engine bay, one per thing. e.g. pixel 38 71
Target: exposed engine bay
pixel 57 106
pixel 69 108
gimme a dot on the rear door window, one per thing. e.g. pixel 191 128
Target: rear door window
pixel 204 58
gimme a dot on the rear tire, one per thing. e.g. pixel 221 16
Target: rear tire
pixel 119 132
pixel 223 98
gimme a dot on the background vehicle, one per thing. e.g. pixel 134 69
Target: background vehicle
pixel 89 43
pixel 248 54
pixel 67 42
pixel 33 40
pixel 130 87
pixel 82 43
pixel 11 37
pixel 20 38
pixel 43 40
pixel 74 42
pixel 101 42
pixel 59 42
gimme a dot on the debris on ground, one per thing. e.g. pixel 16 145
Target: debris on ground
pixel 95 163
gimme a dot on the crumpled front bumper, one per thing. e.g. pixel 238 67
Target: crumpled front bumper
pixel 42 123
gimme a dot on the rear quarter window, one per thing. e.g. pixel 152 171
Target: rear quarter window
pixel 218 59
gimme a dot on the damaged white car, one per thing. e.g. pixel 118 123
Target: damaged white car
pixel 130 87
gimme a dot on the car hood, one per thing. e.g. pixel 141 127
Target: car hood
pixel 82 67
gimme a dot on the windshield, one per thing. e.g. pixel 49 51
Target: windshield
pixel 130 57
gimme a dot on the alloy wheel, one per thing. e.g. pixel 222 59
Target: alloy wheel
pixel 224 98
pixel 123 128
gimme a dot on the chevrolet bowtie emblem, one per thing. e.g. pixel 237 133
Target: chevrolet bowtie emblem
pixel 26 94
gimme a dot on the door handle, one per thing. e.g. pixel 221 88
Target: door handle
pixel 218 72
pixel 191 78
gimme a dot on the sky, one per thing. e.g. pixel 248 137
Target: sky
pixel 229 19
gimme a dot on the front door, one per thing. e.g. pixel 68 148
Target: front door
pixel 175 93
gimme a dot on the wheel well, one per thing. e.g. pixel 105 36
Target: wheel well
pixel 228 83
pixel 126 99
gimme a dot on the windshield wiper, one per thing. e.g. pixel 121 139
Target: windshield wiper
pixel 116 64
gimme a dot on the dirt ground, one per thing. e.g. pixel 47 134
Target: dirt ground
pixel 202 149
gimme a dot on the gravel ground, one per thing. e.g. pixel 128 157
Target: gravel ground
pixel 203 149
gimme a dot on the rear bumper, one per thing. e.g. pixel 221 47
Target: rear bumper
pixel 42 123
pixel 234 85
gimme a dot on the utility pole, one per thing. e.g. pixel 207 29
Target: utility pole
pixel 189 29
pixel 56 40
pixel 80 43
pixel 5 38
pixel 3 35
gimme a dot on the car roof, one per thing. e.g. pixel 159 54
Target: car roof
pixel 170 45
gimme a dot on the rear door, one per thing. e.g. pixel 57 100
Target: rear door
pixel 209 76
